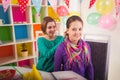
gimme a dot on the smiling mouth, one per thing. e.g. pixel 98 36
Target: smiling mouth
pixel 52 32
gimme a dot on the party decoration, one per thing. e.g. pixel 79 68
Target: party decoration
pixel 74 13
pixel 62 11
pixel 93 18
pixel 91 3
pixel 14 1
pixel 107 22
pixel 117 4
pixel 5 4
pixel 105 6
pixel 22 4
pixel 37 5
pixel 33 75
pixel 53 14
pixel 67 2
pixel 53 3
pixel 64 19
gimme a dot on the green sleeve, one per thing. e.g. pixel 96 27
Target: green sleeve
pixel 44 51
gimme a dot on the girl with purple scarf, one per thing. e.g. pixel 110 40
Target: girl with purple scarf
pixel 74 53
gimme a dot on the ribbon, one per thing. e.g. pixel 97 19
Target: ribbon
pixel 117 3
pixel 37 5
pixel 5 4
pixel 22 4
pixel 91 3
pixel 53 3
pixel 67 2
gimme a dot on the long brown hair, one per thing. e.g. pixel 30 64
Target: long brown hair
pixel 45 22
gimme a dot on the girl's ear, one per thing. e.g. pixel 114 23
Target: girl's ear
pixel 66 33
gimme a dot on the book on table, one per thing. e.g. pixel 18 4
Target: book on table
pixel 67 75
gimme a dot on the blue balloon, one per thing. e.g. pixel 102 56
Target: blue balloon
pixel 37 4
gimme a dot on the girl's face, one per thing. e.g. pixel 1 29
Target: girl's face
pixel 51 29
pixel 75 31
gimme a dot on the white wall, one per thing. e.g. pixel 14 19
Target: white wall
pixel 114 58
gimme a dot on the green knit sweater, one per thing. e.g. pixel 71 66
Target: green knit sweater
pixel 46 49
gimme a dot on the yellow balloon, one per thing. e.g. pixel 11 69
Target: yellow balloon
pixel 104 6
pixel 74 13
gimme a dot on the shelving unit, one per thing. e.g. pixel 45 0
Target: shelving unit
pixel 18 28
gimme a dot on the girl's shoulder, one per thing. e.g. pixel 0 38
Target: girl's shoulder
pixel 40 38
pixel 62 45
pixel 59 37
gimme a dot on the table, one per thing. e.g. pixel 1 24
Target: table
pixel 60 75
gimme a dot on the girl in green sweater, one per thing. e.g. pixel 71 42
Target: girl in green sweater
pixel 47 45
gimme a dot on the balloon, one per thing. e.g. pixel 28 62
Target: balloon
pixel 74 13
pixel 107 22
pixel 62 11
pixel 93 18
pixel 64 19
pixel 104 6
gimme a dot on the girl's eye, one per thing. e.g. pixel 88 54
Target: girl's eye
pixel 54 26
pixel 74 29
pixel 49 27
pixel 80 29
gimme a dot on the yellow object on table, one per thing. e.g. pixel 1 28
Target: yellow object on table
pixel 33 75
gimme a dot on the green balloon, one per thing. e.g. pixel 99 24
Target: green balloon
pixel 64 19
pixel 93 18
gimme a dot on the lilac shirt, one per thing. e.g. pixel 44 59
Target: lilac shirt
pixel 60 58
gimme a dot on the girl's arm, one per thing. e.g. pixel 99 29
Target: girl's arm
pixel 58 58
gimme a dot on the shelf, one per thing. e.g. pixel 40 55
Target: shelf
pixel 24 58
pixel 6 34
pixel 26 63
pixel 18 28
pixel 7 60
pixel 29 47
pixel 22 32
pixel 2 25
pixel 7 43
pixel 36 27
pixel 23 40
pixel 7 51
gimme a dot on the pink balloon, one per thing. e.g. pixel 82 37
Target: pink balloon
pixel 62 11
pixel 107 22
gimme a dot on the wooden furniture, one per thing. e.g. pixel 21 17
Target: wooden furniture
pixel 18 28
